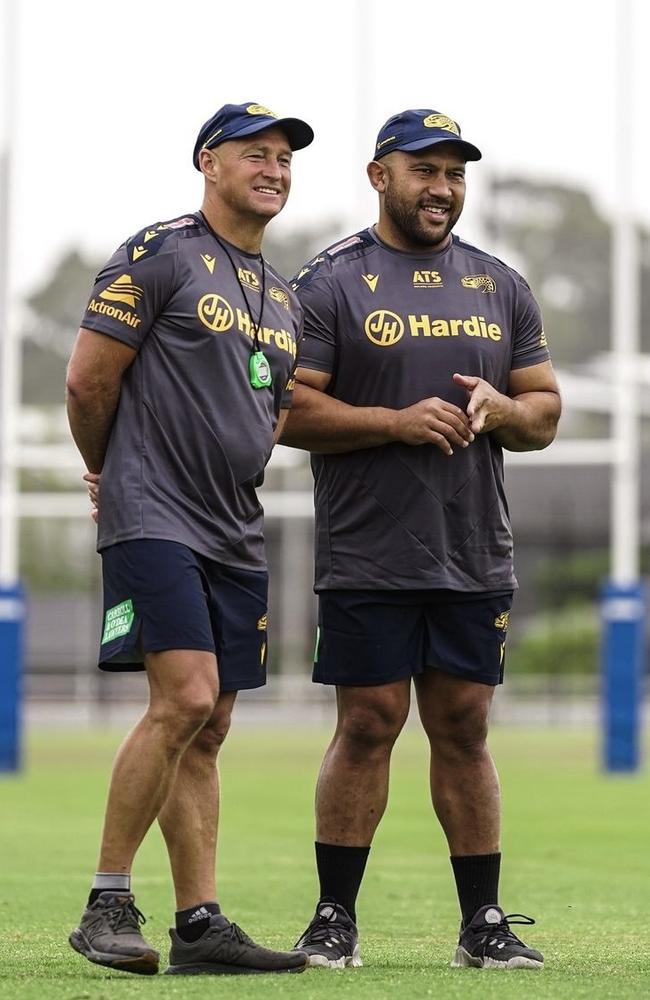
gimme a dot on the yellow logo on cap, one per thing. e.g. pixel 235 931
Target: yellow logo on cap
pixel 441 121
pixel 258 109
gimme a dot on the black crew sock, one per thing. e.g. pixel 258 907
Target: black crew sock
pixel 340 871
pixel 116 882
pixel 193 923
pixel 477 882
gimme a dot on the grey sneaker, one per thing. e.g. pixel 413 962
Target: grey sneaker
pixel 225 949
pixel 488 943
pixel 331 940
pixel 109 934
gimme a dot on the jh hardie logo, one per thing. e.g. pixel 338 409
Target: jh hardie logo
pixel 384 328
pixel 215 313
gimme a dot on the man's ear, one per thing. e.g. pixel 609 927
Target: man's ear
pixel 208 163
pixel 378 176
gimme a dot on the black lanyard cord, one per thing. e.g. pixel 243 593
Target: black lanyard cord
pixel 256 326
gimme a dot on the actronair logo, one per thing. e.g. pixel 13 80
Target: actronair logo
pixel 123 290
pixel 123 315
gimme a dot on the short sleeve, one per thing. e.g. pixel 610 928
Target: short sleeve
pixel 316 294
pixel 287 394
pixel 129 295
pixel 529 345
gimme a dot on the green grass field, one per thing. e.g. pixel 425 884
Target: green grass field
pixel 575 857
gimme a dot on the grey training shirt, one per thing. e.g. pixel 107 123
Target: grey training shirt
pixel 392 328
pixel 191 436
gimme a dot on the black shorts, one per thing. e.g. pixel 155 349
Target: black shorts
pixel 162 595
pixel 370 637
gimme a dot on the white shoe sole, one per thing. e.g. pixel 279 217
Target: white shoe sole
pixel 463 960
pixel 352 961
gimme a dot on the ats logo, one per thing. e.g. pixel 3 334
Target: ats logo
pixel 482 282
pixel 279 295
pixel 248 278
pixel 384 328
pixel 215 313
pixel 427 279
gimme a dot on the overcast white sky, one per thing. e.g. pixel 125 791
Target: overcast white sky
pixel 108 98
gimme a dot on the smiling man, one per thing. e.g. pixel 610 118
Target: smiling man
pixel 423 357
pixel 189 336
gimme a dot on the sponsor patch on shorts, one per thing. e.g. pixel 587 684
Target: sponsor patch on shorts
pixel 118 621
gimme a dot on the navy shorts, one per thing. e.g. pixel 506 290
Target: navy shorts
pixel 162 595
pixel 370 637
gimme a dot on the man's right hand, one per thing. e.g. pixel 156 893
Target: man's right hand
pixel 92 481
pixel 433 421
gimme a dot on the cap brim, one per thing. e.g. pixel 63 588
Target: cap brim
pixel 298 132
pixel 469 151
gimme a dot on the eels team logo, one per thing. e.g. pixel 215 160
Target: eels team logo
pixel 384 328
pixel 262 623
pixel 279 295
pixel 441 121
pixel 501 621
pixel 259 109
pixel 482 282
pixel 215 313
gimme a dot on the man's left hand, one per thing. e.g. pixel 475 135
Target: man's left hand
pixel 487 408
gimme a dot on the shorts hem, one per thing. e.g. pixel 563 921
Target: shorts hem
pixel 112 665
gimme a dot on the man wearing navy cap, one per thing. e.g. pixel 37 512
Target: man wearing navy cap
pixel 423 357
pixel 188 337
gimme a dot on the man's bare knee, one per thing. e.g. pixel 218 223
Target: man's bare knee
pixel 370 726
pixel 209 739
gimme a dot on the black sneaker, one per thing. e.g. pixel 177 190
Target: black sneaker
pixel 331 939
pixel 224 949
pixel 488 943
pixel 109 934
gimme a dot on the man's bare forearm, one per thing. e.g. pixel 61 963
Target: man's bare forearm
pixel 324 425
pixel 530 423
pixel 90 416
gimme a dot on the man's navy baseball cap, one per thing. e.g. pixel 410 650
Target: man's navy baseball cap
pixel 233 121
pixel 419 129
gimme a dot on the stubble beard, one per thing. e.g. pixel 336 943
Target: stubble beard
pixel 408 222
